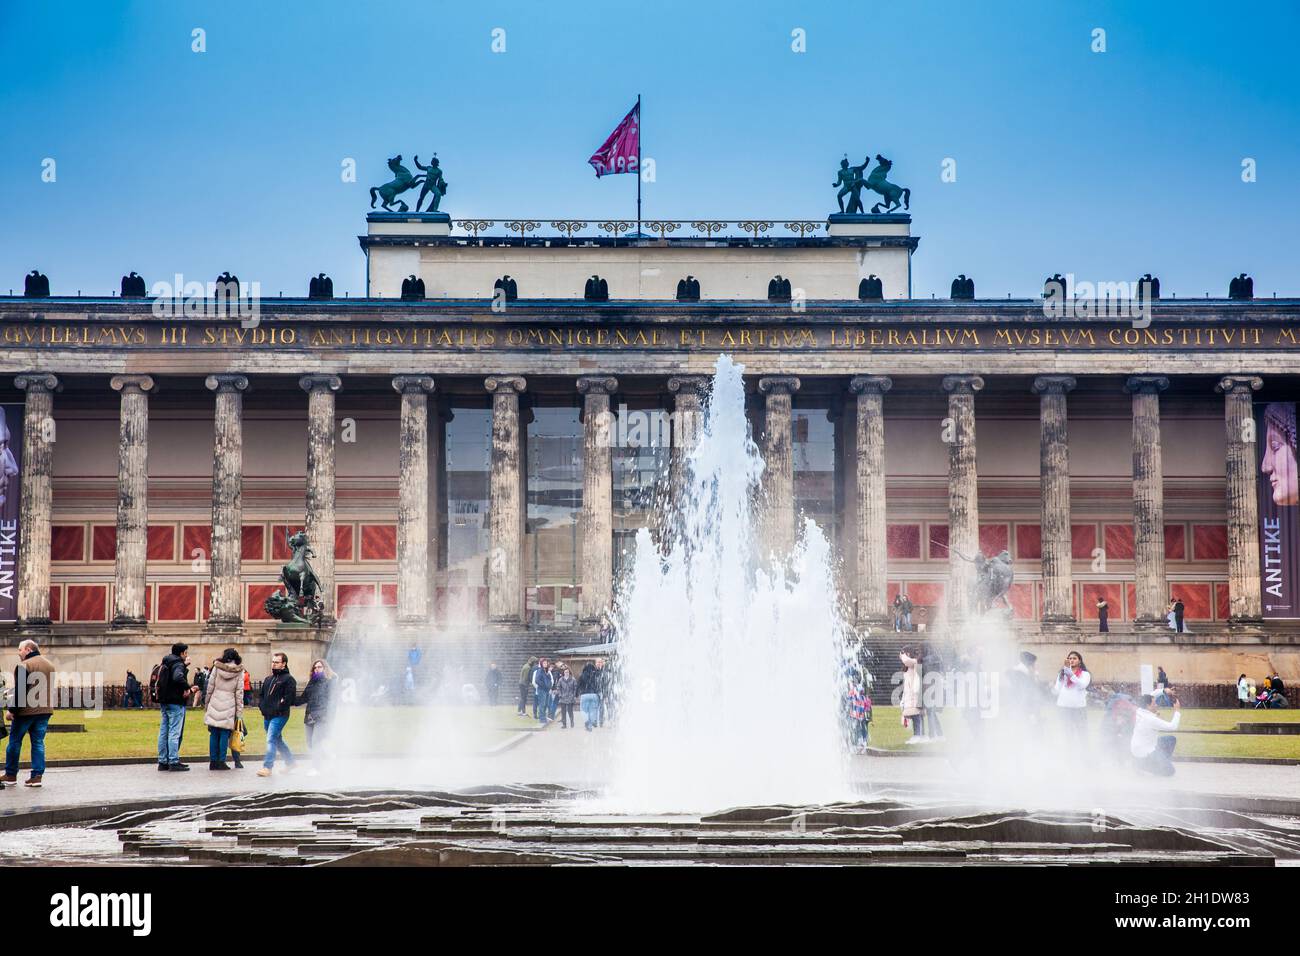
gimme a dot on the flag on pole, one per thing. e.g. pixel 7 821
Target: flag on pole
pixel 621 152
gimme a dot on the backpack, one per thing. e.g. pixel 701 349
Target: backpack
pixel 156 677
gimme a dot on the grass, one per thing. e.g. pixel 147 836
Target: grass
pixel 887 732
pixel 387 730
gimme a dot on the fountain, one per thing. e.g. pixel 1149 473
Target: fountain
pixel 729 659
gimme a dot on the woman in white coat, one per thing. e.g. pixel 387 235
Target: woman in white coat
pixel 911 699
pixel 1072 696
pixel 225 705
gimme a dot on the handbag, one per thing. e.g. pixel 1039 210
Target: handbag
pixel 237 737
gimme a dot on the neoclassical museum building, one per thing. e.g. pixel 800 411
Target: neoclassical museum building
pixel 474 444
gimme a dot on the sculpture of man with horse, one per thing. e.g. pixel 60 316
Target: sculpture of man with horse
pixel 299 602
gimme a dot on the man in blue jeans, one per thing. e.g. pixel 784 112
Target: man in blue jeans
pixel 32 706
pixel 279 691
pixel 542 683
pixel 174 693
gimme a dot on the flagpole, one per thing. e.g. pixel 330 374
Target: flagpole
pixel 638 165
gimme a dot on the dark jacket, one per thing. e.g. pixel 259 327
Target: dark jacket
pixel 588 680
pixel 317 695
pixel 173 682
pixel 542 679
pixel 279 691
pixel 493 679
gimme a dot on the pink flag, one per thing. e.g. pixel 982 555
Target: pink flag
pixel 619 152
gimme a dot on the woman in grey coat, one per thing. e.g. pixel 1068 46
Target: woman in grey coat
pixel 225 705
pixel 566 689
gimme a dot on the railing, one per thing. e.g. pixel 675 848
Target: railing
pixel 654 228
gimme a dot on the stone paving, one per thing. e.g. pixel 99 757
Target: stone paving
pixel 580 760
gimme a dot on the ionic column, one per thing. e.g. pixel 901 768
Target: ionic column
pixel 507 506
pixel 227 509
pixel 688 393
pixel 132 500
pixel 1244 599
pixel 963 496
pixel 869 497
pixel 1054 480
pixel 1151 586
pixel 778 471
pixel 413 499
pixel 35 504
pixel 319 524
pixel 597 498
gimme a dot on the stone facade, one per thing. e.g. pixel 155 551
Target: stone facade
pixel 432 503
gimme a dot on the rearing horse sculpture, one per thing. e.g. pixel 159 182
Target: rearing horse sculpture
pixel 299 602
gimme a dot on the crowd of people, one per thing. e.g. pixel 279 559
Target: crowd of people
pixel 554 690
pixel 1270 693
pixel 224 689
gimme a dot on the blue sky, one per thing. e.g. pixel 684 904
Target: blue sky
pixel 1106 165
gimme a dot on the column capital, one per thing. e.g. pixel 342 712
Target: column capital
pixel 878 384
pixel 1053 383
pixel 506 384
pixel 699 384
pixel 37 382
pixel 143 383
pixel 1239 383
pixel 963 384
pixel 1146 384
pixel 317 383
pixel 597 384
pixel 778 385
pixel 227 383
pixel 413 384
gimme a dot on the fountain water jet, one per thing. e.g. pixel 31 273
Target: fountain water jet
pixel 729 672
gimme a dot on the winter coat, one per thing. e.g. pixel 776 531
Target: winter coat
pixel 588 681
pixel 542 680
pixel 279 692
pixel 225 695
pixel 911 685
pixel 1072 688
pixel 317 697
pixel 173 685
pixel 526 673
pixel 567 688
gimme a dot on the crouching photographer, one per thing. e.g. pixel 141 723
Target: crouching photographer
pixel 1154 753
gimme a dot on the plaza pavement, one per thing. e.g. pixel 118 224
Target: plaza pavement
pixel 581 760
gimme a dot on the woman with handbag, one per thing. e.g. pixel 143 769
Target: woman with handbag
pixel 225 705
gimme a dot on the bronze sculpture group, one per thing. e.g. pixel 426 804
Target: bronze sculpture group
pixel 298 601
pixel 430 179
pixel 850 181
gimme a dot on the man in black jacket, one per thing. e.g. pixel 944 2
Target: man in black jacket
pixel 174 692
pixel 279 691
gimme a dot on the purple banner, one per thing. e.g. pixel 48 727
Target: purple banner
pixel 1279 509
pixel 11 451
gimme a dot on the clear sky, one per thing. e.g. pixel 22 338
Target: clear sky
pixel 1104 164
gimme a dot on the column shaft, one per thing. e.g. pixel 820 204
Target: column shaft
pixel 507 505
pixel 225 606
pixel 778 471
pixel 688 393
pixel 597 498
pixel 1244 599
pixel 871 551
pixel 35 505
pixel 963 493
pixel 129 578
pixel 319 524
pixel 413 498
pixel 1054 481
pixel 1151 586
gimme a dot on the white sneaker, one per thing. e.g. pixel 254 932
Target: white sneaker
pixel 918 740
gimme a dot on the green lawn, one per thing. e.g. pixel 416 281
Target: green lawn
pixel 887 732
pixel 387 730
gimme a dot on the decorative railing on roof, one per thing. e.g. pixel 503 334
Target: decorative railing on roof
pixel 650 228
